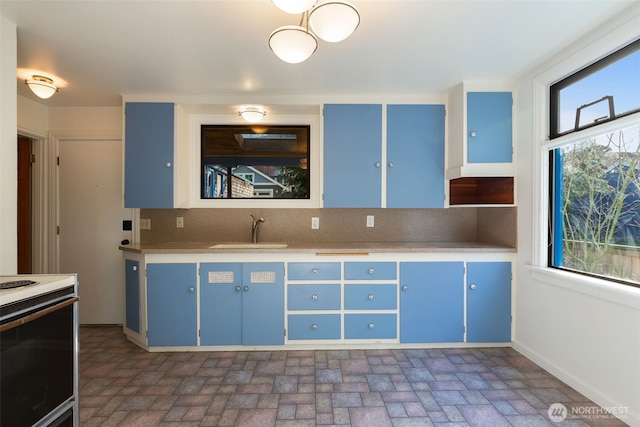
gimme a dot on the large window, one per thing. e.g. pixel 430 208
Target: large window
pixel 595 175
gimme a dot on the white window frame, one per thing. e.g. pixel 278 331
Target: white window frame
pixel 609 43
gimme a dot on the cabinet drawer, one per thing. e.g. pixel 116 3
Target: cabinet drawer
pixel 370 326
pixel 314 297
pixel 314 271
pixel 314 326
pixel 370 297
pixel 370 270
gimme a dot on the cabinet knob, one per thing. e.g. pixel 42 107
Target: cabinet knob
pixel 314 297
pixel 167 164
pixel 370 271
pixel 314 326
pixel 246 288
pixel 473 134
pixel 370 297
pixel 391 164
pixel 314 271
pixel 191 289
pixel 134 268
pixel 238 288
pixel 378 164
pixel 405 287
pixel 472 286
pixel 371 326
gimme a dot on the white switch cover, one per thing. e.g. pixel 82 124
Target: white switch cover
pixel 145 224
pixel 179 222
pixel 315 223
pixel 369 220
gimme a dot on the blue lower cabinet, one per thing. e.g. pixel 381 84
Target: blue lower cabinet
pixel 242 304
pixel 313 297
pixel 370 326
pixel 172 304
pixel 370 297
pixel 132 295
pixel 488 302
pixel 314 327
pixel 431 302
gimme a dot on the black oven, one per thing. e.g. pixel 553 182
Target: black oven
pixel 38 360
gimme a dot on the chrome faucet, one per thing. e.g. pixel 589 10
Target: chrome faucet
pixel 254 228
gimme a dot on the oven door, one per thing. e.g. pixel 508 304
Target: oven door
pixel 38 364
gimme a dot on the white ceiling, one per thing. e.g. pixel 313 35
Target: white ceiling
pixel 218 48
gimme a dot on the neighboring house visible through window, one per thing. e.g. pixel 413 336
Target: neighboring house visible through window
pixel 595 169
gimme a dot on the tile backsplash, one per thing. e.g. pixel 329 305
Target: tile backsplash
pixel 496 225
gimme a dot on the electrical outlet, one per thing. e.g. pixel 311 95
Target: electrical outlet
pixel 179 222
pixel 370 220
pixel 315 223
pixel 145 224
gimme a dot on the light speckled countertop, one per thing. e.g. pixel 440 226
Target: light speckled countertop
pixel 315 247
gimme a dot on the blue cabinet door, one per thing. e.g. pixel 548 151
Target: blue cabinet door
pixel 415 156
pixel 489 127
pixel 263 303
pixel 171 304
pixel 221 304
pixel 431 302
pixel 488 301
pixel 149 142
pixel 352 155
pixel 132 294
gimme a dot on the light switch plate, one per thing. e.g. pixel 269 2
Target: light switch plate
pixel 370 220
pixel 145 224
pixel 315 223
pixel 179 222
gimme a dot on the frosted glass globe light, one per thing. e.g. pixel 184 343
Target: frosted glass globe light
pixel 42 86
pixel 292 44
pixel 294 6
pixel 252 115
pixel 334 21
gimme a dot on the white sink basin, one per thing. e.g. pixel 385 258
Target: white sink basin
pixel 249 246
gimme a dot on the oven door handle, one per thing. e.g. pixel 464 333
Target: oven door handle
pixel 31 317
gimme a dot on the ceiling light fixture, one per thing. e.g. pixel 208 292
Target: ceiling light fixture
pixel 42 86
pixel 252 115
pixel 294 6
pixel 332 21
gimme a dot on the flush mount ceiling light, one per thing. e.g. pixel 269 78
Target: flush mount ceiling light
pixel 293 44
pixel 294 6
pixel 42 86
pixel 332 21
pixel 252 115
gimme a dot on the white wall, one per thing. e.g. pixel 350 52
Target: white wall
pixel 8 148
pixel 584 331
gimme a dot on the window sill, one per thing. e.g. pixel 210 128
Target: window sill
pixel 598 288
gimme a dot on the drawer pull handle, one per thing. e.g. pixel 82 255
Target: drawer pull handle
pixel 405 287
pixel 378 164
pixel 135 268
pixel 314 326
pixel 473 134
pixel 238 288
pixel 370 297
pixel 246 288
pixel 314 297
pixel 167 164
pixel 472 286
pixel 371 271
pixel 371 325
pixel 314 271
pixel 191 289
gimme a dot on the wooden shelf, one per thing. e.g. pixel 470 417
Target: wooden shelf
pixel 481 191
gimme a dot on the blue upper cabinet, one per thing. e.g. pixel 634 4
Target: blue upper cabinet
pixel 354 173
pixel 352 155
pixel 415 156
pixel 149 155
pixel 489 127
